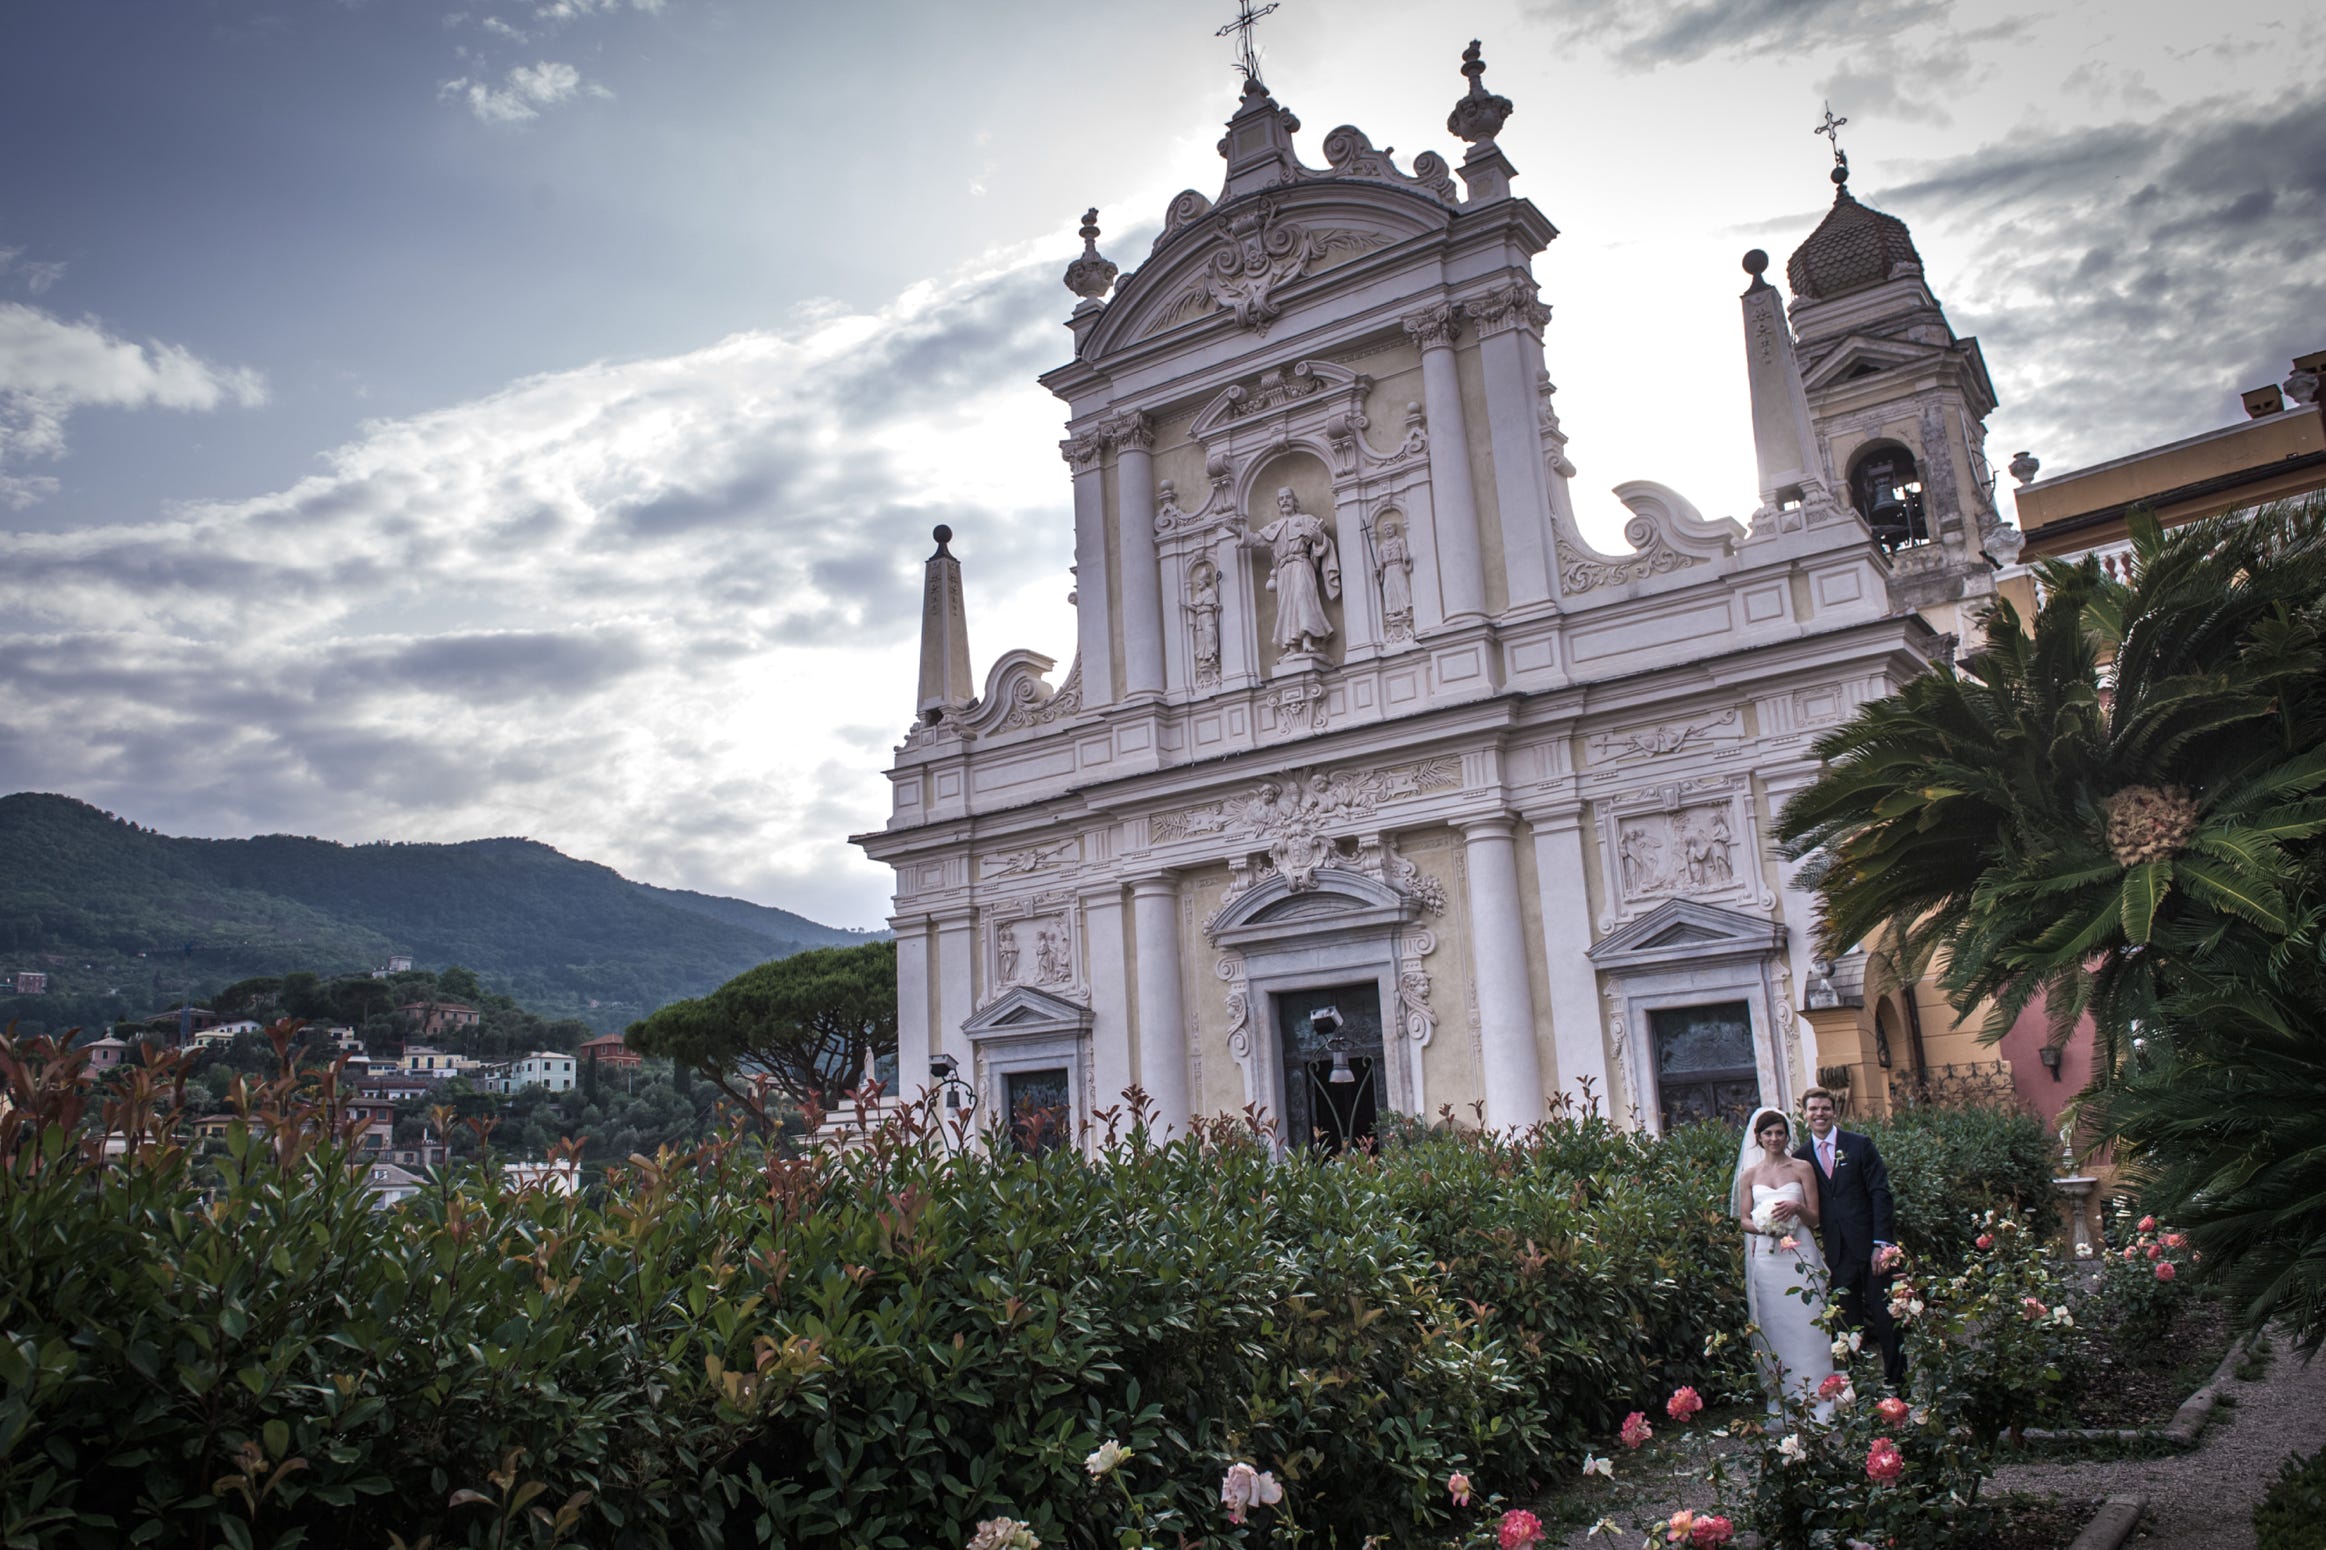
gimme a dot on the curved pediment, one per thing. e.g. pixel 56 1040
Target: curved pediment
pixel 1237 260
pixel 1339 897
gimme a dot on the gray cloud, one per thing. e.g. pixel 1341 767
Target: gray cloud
pixel 2158 268
pixel 1642 34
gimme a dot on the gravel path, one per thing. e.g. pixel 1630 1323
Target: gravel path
pixel 2203 1500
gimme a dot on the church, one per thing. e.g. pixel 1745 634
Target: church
pixel 1373 788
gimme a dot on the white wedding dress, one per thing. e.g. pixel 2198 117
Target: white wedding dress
pixel 1791 1345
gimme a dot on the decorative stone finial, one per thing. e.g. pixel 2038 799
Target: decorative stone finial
pixel 1755 263
pixel 1090 276
pixel 944 536
pixel 1479 116
pixel 2024 466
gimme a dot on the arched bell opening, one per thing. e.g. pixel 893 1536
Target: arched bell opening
pixel 1885 485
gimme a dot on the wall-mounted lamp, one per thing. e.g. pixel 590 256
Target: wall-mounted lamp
pixel 2049 1055
pixel 1325 1022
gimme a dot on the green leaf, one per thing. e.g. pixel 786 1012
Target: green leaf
pixel 2145 887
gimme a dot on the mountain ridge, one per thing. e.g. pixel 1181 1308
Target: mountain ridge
pixel 118 914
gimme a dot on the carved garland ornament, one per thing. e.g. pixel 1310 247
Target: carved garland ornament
pixel 1257 254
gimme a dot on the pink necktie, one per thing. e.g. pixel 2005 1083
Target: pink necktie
pixel 1825 1157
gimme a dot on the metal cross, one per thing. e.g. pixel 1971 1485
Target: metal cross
pixel 1247 16
pixel 1831 129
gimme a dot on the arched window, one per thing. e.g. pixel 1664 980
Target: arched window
pixel 1886 487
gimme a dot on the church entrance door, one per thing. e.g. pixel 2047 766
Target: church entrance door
pixel 1318 1110
pixel 1704 1063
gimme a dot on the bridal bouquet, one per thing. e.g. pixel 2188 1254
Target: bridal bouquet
pixel 1765 1216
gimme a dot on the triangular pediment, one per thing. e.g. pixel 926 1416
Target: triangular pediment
pixel 1024 1009
pixel 1864 355
pixel 1681 929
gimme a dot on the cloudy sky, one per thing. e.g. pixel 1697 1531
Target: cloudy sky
pixel 425 421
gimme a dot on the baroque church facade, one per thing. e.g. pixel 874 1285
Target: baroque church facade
pixel 1373 785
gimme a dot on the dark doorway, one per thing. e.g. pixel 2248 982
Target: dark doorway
pixel 1040 1115
pixel 1319 1111
pixel 1704 1063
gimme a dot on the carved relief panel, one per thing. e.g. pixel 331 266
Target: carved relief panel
pixel 1032 941
pixel 1693 839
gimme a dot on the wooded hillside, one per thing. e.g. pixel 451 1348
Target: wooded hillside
pixel 124 920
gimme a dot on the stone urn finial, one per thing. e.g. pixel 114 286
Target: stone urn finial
pixel 1479 116
pixel 2024 466
pixel 1090 276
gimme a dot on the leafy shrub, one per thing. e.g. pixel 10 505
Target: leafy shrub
pixel 2292 1514
pixel 1986 1337
pixel 878 1346
pixel 1950 1164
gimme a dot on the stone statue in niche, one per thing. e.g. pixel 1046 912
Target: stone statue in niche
pixel 1203 621
pixel 1394 564
pixel 1005 947
pixel 1305 570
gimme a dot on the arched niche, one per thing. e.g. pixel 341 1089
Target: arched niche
pixel 1885 485
pixel 1305 474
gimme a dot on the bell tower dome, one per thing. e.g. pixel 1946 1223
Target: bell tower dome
pixel 1898 407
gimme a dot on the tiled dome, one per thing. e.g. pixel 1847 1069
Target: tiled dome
pixel 1852 248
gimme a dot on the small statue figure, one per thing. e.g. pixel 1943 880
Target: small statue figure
pixel 1305 571
pixel 1203 611
pixel 1006 949
pixel 1394 566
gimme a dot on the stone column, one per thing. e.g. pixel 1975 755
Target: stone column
pixel 955 985
pixel 1134 439
pixel 1094 630
pixel 1506 1015
pixel 1562 855
pixel 1510 321
pixel 915 1027
pixel 1110 1002
pixel 1162 1021
pixel 1453 500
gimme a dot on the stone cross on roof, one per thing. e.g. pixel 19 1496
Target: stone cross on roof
pixel 1831 129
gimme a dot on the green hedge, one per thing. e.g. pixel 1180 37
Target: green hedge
pixel 1949 1164
pixel 874 1349
pixel 2292 1514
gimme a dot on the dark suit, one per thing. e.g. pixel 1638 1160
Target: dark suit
pixel 1855 1212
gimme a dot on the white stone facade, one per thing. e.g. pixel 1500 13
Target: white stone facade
pixel 1515 805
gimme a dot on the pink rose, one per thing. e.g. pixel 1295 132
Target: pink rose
pixel 1635 1430
pixel 1833 1385
pixel 1679 1527
pixel 2164 1270
pixel 1684 1403
pixel 1711 1530
pixel 2130 1253
pixel 1519 1529
pixel 1884 1463
pixel 1788 1243
pixel 2173 1240
pixel 2032 1308
pixel 1986 1240
pixel 2154 1251
pixel 2148 1224
pixel 1888 1256
pixel 1893 1410
pixel 1458 1487
pixel 1244 1488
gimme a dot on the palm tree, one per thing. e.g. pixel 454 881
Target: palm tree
pixel 2101 807
pixel 2217 1121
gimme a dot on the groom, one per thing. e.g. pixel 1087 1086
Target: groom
pixel 1854 1202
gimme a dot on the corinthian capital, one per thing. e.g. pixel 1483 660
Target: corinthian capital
pixel 1433 326
pixel 1130 431
pixel 1509 305
pixel 1082 452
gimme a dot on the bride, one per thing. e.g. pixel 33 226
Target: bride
pixel 1776 1201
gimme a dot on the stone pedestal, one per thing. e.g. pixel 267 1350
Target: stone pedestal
pixel 2076 1201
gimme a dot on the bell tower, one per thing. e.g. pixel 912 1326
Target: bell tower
pixel 1898 407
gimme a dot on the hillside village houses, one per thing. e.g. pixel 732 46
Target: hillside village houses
pixel 1373 784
